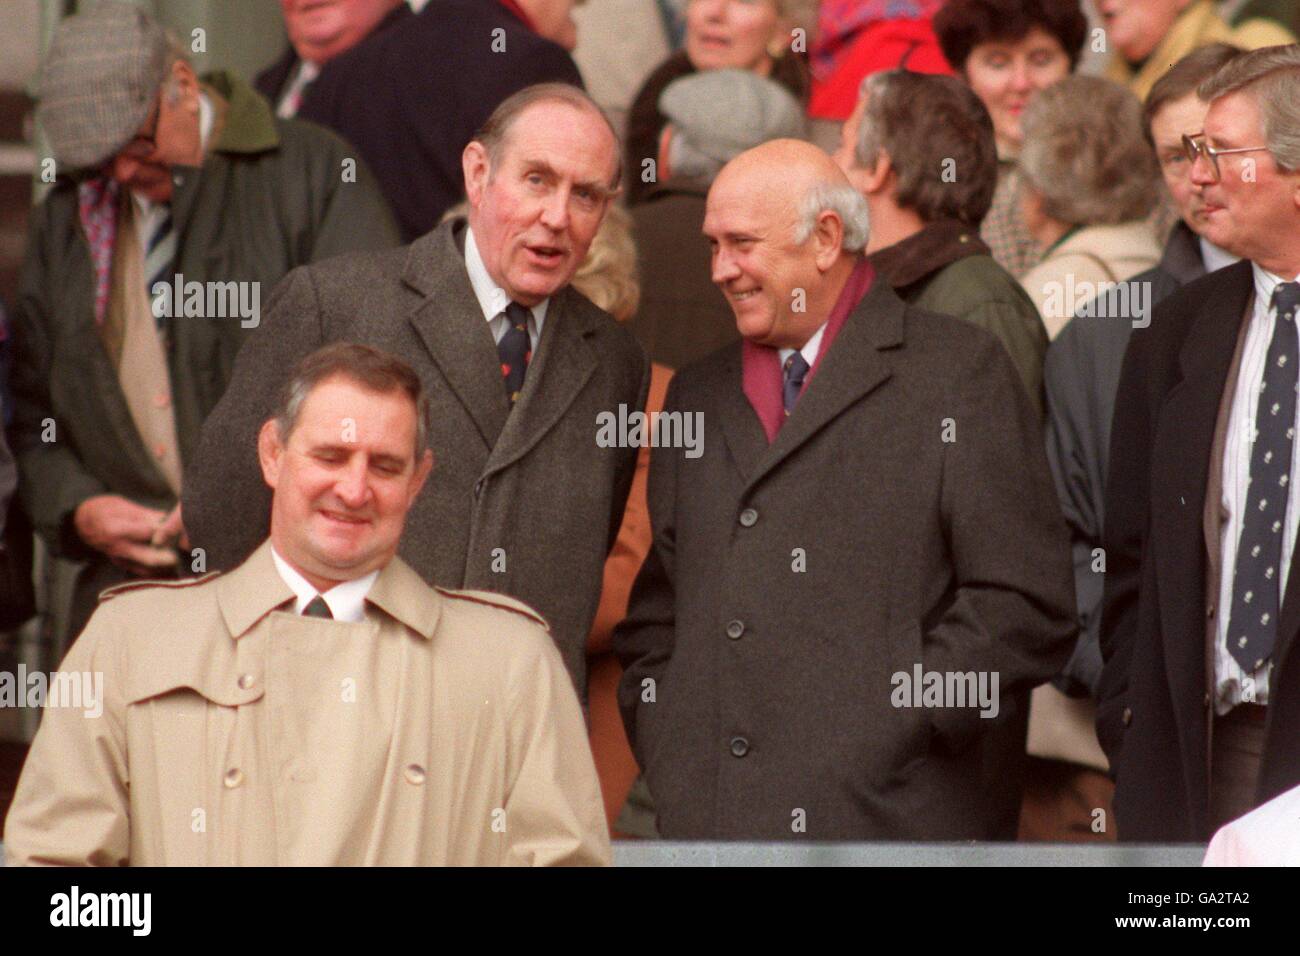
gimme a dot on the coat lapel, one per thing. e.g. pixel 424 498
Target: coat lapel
pixel 565 362
pixel 741 428
pixel 450 323
pixel 1186 435
pixel 852 368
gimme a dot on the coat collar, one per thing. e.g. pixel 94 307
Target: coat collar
pixel 255 589
pixel 448 320
pixel 919 256
pixel 849 368
pixel 249 124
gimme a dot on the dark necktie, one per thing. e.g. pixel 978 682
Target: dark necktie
pixel 1252 625
pixel 515 350
pixel 795 369
pixel 317 607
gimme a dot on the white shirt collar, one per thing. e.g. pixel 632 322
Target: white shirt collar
pixel 1214 257
pixel 810 348
pixel 347 601
pixel 492 299
pixel 1265 283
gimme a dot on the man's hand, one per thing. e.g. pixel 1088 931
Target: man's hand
pixel 124 530
pixel 171 531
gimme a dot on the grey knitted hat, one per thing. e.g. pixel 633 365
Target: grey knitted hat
pixel 98 82
pixel 722 113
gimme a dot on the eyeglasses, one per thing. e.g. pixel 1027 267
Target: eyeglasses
pixel 1196 146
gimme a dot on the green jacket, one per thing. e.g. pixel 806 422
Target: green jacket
pixel 947 268
pixel 271 195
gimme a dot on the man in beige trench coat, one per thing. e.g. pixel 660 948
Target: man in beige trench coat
pixel 319 704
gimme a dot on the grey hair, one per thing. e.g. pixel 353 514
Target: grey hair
pixel 843 200
pixel 1272 75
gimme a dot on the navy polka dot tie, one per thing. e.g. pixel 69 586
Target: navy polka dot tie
pixel 515 350
pixel 796 369
pixel 1256 584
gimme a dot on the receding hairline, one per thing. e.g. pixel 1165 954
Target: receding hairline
pixel 496 134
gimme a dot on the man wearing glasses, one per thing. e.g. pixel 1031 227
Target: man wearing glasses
pixel 162 180
pixel 1200 695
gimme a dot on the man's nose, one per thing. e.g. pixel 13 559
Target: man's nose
pixel 555 210
pixel 724 267
pixel 1201 173
pixel 353 488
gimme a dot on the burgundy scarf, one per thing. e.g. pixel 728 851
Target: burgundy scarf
pixel 760 365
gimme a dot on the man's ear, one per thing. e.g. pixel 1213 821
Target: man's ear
pixel 270 453
pixel 474 165
pixel 827 236
pixel 874 179
pixel 422 469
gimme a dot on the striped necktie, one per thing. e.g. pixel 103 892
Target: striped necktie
pixel 160 255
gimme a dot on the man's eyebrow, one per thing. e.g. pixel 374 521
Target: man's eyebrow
pixel 545 168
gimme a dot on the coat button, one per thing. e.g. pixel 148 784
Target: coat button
pixel 1209 612
pixel 749 517
pixel 735 629
pixel 234 777
pixel 246 681
pixel 739 746
pixel 1205 701
pixel 1127 716
pixel 414 774
pixel 478 488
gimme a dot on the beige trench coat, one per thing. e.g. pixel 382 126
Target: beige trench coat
pixel 441 730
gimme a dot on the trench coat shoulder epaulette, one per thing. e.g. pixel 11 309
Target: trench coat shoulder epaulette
pixel 109 593
pixel 492 599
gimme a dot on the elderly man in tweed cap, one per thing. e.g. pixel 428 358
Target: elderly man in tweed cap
pixel 163 180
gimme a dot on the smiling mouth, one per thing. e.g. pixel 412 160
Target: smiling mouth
pixel 744 296
pixel 346 519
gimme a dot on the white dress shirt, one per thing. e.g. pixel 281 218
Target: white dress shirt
pixel 347 601
pixel 809 350
pixel 1229 677
pixel 493 299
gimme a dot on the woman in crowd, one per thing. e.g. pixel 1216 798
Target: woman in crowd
pixel 1090 183
pixel 1009 50
pixel 743 34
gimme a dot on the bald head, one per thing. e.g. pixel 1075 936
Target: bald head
pixel 785 226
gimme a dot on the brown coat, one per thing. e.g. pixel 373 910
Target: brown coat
pixel 440 730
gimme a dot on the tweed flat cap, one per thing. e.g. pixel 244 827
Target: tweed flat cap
pixel 722 113
pixel 98 82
